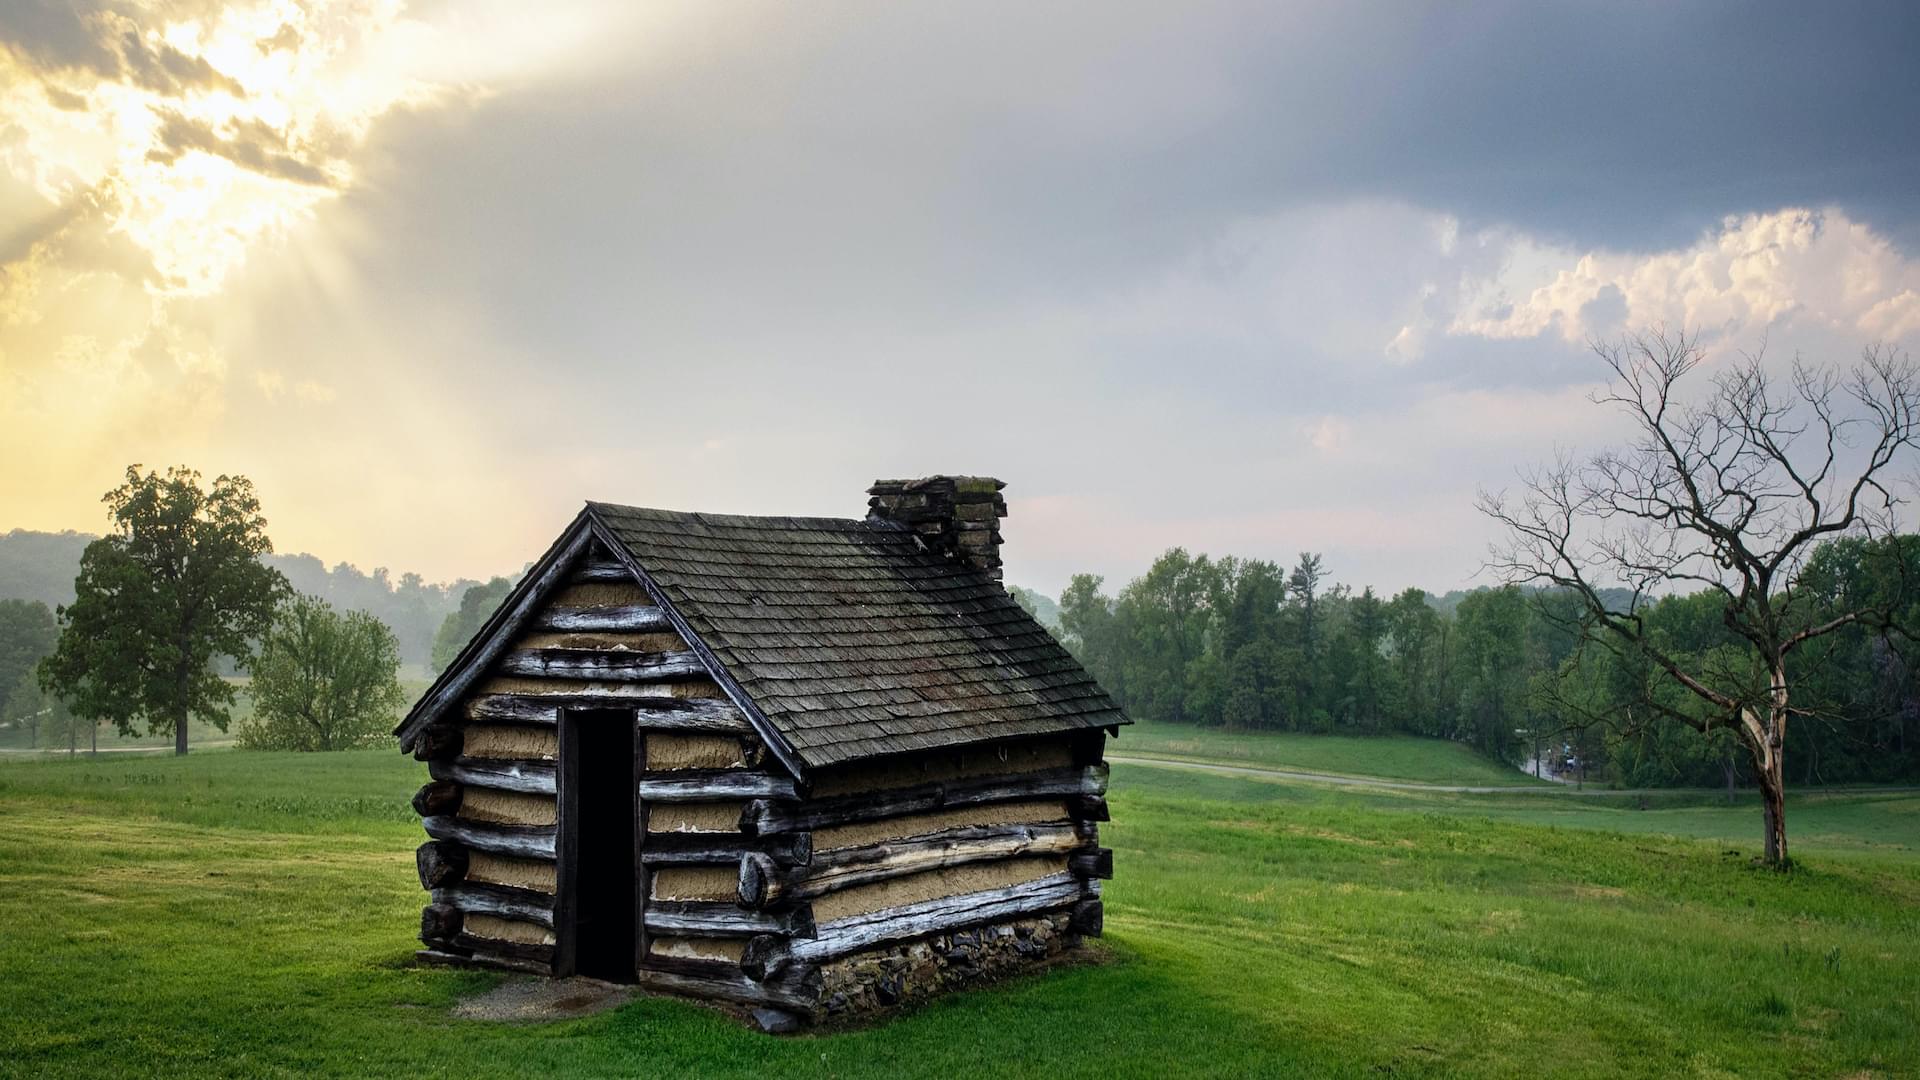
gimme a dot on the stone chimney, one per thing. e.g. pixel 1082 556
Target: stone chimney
pixel 958 516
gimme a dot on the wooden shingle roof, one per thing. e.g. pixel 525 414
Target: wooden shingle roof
pixel 852 639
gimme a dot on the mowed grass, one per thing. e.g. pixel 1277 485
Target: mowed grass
pixel 1391 757
pixel 237 914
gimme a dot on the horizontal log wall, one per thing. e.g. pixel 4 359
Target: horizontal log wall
pixel 751 881
pixel 492 808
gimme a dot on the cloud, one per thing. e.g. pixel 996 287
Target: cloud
pixel 1756 271
pixel 1329 434
pixel 104 40
pixel 1136 260
pixel 250 144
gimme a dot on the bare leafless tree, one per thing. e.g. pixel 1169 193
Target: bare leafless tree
pixel 1730 493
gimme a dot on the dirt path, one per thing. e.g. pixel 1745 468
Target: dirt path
pixel 1326 778
pixel 1297 776
pixel 61 751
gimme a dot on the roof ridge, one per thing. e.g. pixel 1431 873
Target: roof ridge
pixel 744 520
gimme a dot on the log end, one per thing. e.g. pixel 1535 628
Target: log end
pixel 440 924
pixel 757 883
pixel 438 741
pixel 1088 918
pixel 1092 864
pixel 764 957
pixel 440 862
pixel 437 798
pixel 1089 808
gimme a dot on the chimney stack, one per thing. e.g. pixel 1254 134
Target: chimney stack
pixel 958 516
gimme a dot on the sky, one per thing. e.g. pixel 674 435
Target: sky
pixel 1252 279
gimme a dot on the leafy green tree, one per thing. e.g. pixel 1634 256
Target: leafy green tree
pixel 459 627
pixel 1166 615
pixel 1367 684
pixel 28 633
pixel 1303 588
pixel 178 583
pixel 31 710
pixel 1492 627
pixel 1416 665
pixel 323 680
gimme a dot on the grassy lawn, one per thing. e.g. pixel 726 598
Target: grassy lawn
pixel 1392 757
pixel 235 914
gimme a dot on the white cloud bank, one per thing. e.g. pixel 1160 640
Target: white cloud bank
pixel 1813 268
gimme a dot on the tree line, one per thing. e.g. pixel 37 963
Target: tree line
pixel 1247 644
pixel 176 595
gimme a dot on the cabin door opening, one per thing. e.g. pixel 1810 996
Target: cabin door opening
pixel 600 840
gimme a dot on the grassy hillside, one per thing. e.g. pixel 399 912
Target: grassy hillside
pixel 252 915
pixel 1394 757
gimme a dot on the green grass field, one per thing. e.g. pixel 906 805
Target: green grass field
pixel 1391 757
pixel 235 914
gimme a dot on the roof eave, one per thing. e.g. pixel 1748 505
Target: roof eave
pixel 783 751
pixel 496 633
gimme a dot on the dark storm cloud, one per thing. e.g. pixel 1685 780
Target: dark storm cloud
pixel 102 39
pixel 251 145
pixel 751 257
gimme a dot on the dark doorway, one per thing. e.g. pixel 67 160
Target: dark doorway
pixel 597 791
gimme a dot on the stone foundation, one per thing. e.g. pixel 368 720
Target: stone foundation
pixel 918 970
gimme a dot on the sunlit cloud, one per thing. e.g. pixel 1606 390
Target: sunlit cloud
pixel 1816 268
pixel 150 151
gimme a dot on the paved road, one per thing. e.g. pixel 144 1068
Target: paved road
pixel 1294 775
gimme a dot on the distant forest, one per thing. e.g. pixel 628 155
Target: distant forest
pixel 41 566
pixel 1247 644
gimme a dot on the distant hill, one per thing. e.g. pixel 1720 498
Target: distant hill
pixel 41 566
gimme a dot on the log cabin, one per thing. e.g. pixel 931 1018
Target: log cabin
pixel 807 766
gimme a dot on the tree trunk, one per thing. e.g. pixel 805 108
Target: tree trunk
pixel 1773 799
pixel 180 734
pixel 1766 741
